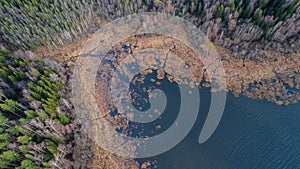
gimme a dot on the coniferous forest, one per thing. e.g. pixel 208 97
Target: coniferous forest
pixel 37 119
pixel 28 24
pixel 35 126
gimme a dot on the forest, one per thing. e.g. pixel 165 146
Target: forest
pixel 36 120
pixel 35 127
pixel 29 24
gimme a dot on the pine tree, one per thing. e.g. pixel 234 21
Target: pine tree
pixel 257 18
pixel 4 141
pixel 30 114
pixel 24 139
pixel 4 122
pixel 8 157
pixel 63 119
pixel 10 106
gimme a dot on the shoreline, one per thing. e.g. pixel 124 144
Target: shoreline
pixel 267 78
pixel 272 79
pixel 273 68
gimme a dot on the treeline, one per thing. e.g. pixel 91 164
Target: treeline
pixel 28 24
pixel 34 123
pixel 248 28
pixel 246 20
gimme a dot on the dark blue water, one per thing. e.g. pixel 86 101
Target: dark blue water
pixel 251 134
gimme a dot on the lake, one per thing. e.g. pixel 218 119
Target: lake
pixel 252 134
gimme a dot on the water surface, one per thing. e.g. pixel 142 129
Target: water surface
pixel 251 134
